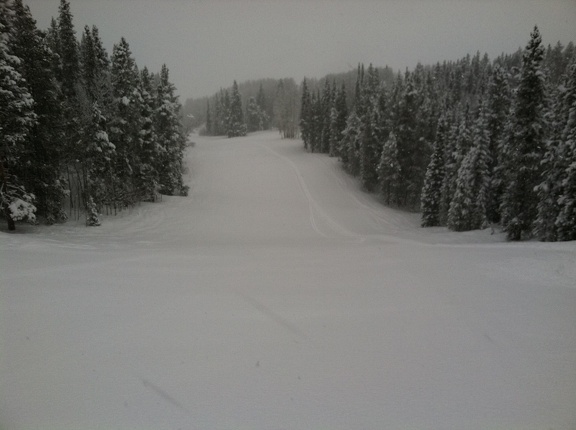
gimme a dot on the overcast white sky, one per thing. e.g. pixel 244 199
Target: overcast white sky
pixel 207 44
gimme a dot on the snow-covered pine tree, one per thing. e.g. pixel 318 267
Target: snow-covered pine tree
pixel 498 109
pixel 556 63
pixel 456 146
pixel 103 62
pixel 255 116
pixel 263 105
pixel 371 145
pixel 468 206
pixel 358 88
pixel 68 74
pixel 53 42
pixel 92 213
pixel 432 191
pixel 326 102
pixel 389 170
pixel 104 93
pixel 341 106
pixel 225 112
pixel 351 142
pixel 316 122
pixel 252 117
pixel 525 144
pixel 41 171
pixel 170 137
pixel 68 51
pixel 333 132
pixel 124 124
pixel 372 130
pixel 555 163
pixel 462 204
pixel 429 112
pixel 405 121
pixel 218 120
pixel 97 166
pixel 464 139
pixel 284 108
pixel 236 124
pixel 16 119
pixel 89 65
pixel 305 115
pixel 566 220
pixel 147 178
pixel 209 123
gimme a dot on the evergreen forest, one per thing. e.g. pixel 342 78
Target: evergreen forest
pixel 470 144
pixel 83 132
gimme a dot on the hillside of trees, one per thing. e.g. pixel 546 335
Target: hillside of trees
pixel 82 132
pixel 470 143
pixel 194 111
pixel 262 104
pixel 267 103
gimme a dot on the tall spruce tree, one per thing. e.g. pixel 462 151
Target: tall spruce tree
pixel 566 220
pixel 16 120
pixel 68 51
pixel 498 108
pixel 468 208
pixel 89 65
pixel 170 137
pixel 147 177
pixel 285 112
pixel 124 126
pixel 372 133
pixel 256 117
pixel 102 75
pixel 435 173
pixel 252 115
pixel 458 143
pixel 41 171
pixel 316 122
pixel 405 127
pixel 352 137
pixel 555 163
pixel 325 109
pixel 263 105
pixel 306 115
pixel 389 170
pixel 371 144
pixel 525 144
pixel 339 125
pixel 236 124
pixel 97 166
pixel 209 124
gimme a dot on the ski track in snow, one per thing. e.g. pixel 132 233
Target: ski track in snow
pixel 279 295
pixel 316 212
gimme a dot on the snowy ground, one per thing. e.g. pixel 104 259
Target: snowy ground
pixel 279 296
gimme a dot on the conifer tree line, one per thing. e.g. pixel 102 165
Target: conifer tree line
pixel 224 114
pixel 470 143
pixel 226 117
pixel 82 132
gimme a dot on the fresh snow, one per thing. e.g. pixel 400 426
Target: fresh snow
pixel 20 209
pixel 277 295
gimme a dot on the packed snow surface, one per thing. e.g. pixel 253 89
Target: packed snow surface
pixel 278 295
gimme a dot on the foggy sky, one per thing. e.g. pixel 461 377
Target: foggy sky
pixel 207 44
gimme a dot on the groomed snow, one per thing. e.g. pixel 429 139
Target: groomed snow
pixel 279 296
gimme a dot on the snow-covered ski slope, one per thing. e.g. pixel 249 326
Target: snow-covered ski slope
pixel 279 296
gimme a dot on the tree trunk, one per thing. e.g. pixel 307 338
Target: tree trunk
pixel 9 220
pixel 5 208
